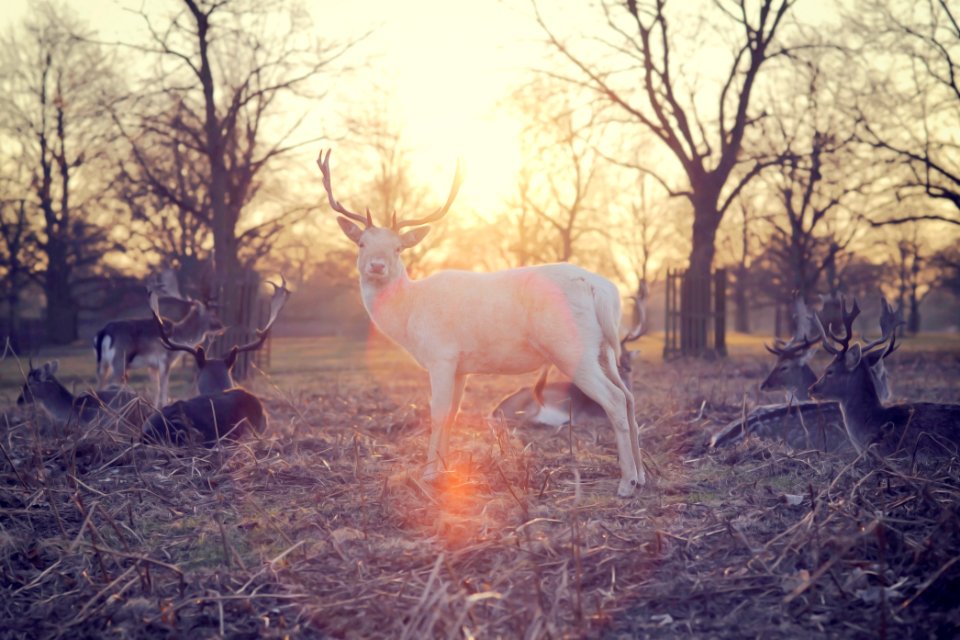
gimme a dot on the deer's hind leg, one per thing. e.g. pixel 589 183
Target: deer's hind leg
pixel 590 377
pixel 610 369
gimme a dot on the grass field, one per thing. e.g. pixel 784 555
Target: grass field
pixel 323 528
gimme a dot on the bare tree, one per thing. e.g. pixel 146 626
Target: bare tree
pixel 51 99
pixel 708 149
pixel 227 74
pixel 915 126
pixel 17 260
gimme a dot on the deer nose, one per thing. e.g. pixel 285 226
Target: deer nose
pixel 377 267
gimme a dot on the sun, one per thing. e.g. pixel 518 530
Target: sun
pixel 449 73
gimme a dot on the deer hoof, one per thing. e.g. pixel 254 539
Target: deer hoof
pixel 625 490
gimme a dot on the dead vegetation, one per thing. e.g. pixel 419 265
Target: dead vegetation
pixel 323 529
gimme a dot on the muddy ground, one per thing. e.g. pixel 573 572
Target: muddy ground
pixel 323 529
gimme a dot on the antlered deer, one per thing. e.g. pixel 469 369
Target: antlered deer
pixel 456 323
pixel 135 343
pixel 222 410
pixel 805 424
pixel 924 430
pixel 560 403
pixel 792 371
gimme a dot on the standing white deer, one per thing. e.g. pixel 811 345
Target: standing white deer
pixel 456 323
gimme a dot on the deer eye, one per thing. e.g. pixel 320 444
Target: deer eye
pixel 397 251
pixel 361 245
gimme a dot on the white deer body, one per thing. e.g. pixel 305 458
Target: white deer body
pixel 456 323
pixel 502 322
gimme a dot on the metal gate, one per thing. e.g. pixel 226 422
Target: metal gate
pixel 696 309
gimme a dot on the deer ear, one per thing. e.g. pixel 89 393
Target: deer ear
pixel 852 358
pixel 413 237
pixel 51 367
pixel 353 231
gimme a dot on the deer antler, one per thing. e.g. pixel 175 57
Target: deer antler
pixel 280 296
pixel 439 213
pixel 790 349
pixel 848 317
pixel 324 164
pixel 890 320
pixel 197 352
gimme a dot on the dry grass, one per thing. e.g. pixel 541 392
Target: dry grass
pixel 323 528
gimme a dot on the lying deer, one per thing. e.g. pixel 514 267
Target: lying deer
pixel 561 403
pixel 792 371
pixel 806 424
pixel 457 323
pixel 923 430
pixel 131 344
pixel 64 408
pixel 222 410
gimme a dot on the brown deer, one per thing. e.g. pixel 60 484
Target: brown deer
pixel 130 344
pixel 804 425
pixel 792 371
pixel 561 403
pixel 922 430
pixel 222 410
pixel 456 323
pixel 66 409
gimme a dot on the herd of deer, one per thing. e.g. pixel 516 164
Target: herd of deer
pixel 220 410
pixel 457 323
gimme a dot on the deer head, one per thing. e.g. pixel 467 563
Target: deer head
pixel 214 373
pixel 380 247
pixel 792 369
pixel 850 374
pixel 41 383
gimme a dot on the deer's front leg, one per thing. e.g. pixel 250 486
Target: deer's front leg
pixel 459 382
pixel 443 385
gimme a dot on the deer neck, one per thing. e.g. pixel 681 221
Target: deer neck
pixel 861 409
pixel 388 304
pixel 807 378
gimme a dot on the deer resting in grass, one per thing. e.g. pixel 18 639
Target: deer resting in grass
pixel 222 410
pixel 805 424
pixel 456 323
pixel 922 430
pixel 792 371
pixel 560 403
pixel 135 343
pixel 115 403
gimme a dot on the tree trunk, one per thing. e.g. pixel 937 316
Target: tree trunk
pixel 913 318
pixel 741 318
pixel 61 313
pixel 695 299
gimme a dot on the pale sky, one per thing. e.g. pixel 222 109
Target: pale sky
pixel 449 62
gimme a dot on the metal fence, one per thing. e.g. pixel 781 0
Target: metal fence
pixel 243 309
pixel 696 309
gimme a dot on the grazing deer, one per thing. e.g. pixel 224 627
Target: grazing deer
pixel 130 344
pixel 560 403
pixel 924 430
pixel 222 410
pixel 456 323
pixel 44 390
pixel 805 424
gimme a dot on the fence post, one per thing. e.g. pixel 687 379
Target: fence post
pixel 720 313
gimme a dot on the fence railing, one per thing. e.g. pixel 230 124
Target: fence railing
pixel 696 309
pixel 242 309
